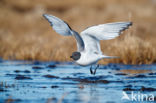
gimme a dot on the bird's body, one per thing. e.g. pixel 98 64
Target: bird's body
pixel 89 58
pixel 88 46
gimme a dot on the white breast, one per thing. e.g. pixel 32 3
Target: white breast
pixel 88 58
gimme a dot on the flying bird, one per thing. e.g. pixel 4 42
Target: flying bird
pixel 88 42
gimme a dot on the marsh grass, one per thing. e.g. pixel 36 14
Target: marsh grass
pixel 6 85
pixel 26 35
pixel 132 50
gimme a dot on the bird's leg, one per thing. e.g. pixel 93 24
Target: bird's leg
pixel 91 72
pixel 96 69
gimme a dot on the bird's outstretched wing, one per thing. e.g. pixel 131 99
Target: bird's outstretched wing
pixel 58 25
pixel 92 35
pixel 62 28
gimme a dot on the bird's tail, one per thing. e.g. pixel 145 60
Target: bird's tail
pixel 110 57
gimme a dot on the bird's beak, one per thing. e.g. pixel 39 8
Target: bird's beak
pixel 71 56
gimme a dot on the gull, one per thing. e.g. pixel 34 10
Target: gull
pixel 88 42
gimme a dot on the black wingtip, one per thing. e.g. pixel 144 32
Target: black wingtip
pixel 130 23
pixel 44 15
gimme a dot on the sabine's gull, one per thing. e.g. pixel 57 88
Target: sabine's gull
pixel 88 45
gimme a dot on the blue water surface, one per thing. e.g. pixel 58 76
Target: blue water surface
pixel 65 82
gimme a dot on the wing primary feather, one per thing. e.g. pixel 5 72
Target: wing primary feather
pixel 45 16
pixel 80 42
pixel 68 25
pixel 62 28
pixel 92 35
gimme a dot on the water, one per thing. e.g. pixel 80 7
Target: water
pixel 65 82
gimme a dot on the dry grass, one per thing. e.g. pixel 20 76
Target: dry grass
pixel 25 35
pixel 132 50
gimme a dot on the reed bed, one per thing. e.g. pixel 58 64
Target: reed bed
pixel 26 35
pixel 132 50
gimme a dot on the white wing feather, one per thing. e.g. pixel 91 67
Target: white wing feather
pixel 62 28
pixel 58 25
pixel 92 35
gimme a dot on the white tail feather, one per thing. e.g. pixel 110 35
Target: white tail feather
pixel 110 57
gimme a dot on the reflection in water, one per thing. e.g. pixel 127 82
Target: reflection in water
pixel 133 71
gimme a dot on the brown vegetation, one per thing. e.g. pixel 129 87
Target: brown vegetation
pixel 25 35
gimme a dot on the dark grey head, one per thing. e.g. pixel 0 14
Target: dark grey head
pixel 75 55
